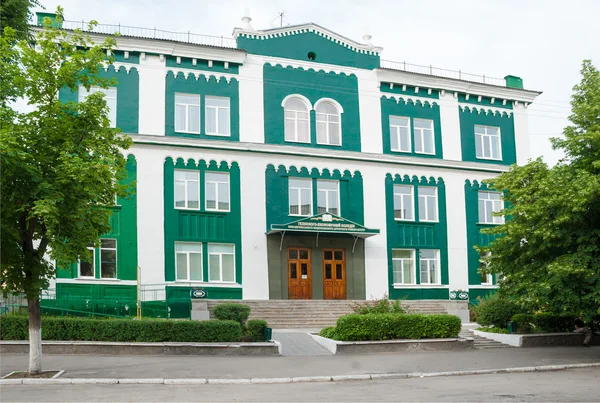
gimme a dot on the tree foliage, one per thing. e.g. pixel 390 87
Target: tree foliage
pixel 548 250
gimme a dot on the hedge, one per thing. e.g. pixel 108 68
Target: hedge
pixel 15 327
pixel 256 329
pixel 232 311
pixel 328 332
pixel 388 326
pixel 545 322
pixel 495 311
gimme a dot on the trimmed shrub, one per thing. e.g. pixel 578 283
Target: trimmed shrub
pixel 554 323
pixel 232 311
pixel 495 311
pixel 388 326
pixel 383 305
pixel 256 329
pixel 524 322
pixel 15 327
pixel 328 332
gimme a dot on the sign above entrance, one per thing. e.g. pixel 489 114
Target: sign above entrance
pixel 325 223
pixel 198 293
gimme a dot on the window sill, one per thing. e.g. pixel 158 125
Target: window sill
pixel 489 224
pixel 421 286
pixel 182 132
pixel 488 159
pixel 217 211
pixel 329 145
pixel 484 286
pixel 401 220
pixel 204 284
pixel 418 153
pixel 218 135
pixel 296 142
pixel 400 151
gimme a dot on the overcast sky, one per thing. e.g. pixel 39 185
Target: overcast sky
pixel 541 41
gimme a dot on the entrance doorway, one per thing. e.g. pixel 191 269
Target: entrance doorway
pixel 334 274
pixel 299 274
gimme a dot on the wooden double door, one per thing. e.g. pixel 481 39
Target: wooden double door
pixel 300 273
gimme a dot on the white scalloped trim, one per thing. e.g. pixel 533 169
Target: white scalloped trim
pixel 197 73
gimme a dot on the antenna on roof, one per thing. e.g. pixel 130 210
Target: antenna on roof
pixel 282 21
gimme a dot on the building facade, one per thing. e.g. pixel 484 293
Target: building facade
pixel 295 165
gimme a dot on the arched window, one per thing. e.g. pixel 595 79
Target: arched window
pixel 329 122
pixel 297 121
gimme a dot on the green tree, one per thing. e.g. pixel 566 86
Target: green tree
pixel 16 14
pixel 61 163
pixel 548 250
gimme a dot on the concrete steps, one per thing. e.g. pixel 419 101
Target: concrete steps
pixel 314 314
pixel 481 343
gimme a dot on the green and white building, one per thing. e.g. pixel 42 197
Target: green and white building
pixel 296 163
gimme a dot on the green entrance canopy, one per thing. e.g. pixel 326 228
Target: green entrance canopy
pixel 325 223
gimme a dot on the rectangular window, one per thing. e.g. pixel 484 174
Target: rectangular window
pixel 221 263
pixel 217 191
pixel 328 197
pixel 400 134
pixel 300 196
pixel 490 202
pixel 487 143
pixel 187 189
pixel 403 262
pixel 403 203
pixel 424 143
pixel 486 278
pixel 88 269
pixel 188 261
pixel 430 267
pixel 108 258
pixel 110 95
pixel 217 116
pixel 187 113
pixel 428 206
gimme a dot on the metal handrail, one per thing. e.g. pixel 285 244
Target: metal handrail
pixel 153 33
pixel 439 72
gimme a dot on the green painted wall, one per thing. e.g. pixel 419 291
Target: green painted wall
pixel 395 88
pixel 187 63
pixel 389 107
pixel 119 55
pixel 202 87
pixel 124 229
pixel 474 235
pixel 297 47
pixel 351 193
pixel 201 225
pixel 280 82
pixel 470 118
pixel 96 291
pixel 128 97
pixel 278 263
pixel 417 235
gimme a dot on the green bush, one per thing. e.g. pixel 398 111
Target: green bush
pixel 545 322
pixel 328 332
pixel 383 305
pixel 15 327
pixel 493 330
pixel 232 311
pixel 524 322
pixel 256 329
pixel 388 326
pixel 496 311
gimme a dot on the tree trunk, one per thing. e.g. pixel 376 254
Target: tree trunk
pixel 35 336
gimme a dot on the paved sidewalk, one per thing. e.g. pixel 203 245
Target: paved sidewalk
pixel 298 343
pixel 86 366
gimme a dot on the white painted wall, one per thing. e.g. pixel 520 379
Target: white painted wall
pixel 458 267
pixel 252 121
pixel 521 133
pixel 369 103
pixel 152 95
pixel 450 122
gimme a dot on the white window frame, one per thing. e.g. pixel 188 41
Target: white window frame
pixel 421 137
pixel 189 266
pixel 327 192
pixel 486 137
pixel 426 197
pixel 112 113
pixel 220 254
pixel 496 220
pixel 297 193
pixel 216 184
pixel 414 266
pixel 218 109
pixel 295 119
pixel 438 268
pixel 116 257
pixel 402 195
pixel 175 180
pixel 489 277
pixel 397 127
pixel 326 121
pixel 93 262
pixel 187 113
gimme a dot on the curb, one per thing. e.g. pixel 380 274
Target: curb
pixel 247 381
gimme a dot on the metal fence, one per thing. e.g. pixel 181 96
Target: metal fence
pixel 438 72
pixel 153 33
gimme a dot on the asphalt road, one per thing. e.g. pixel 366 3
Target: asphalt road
pixel 578 385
